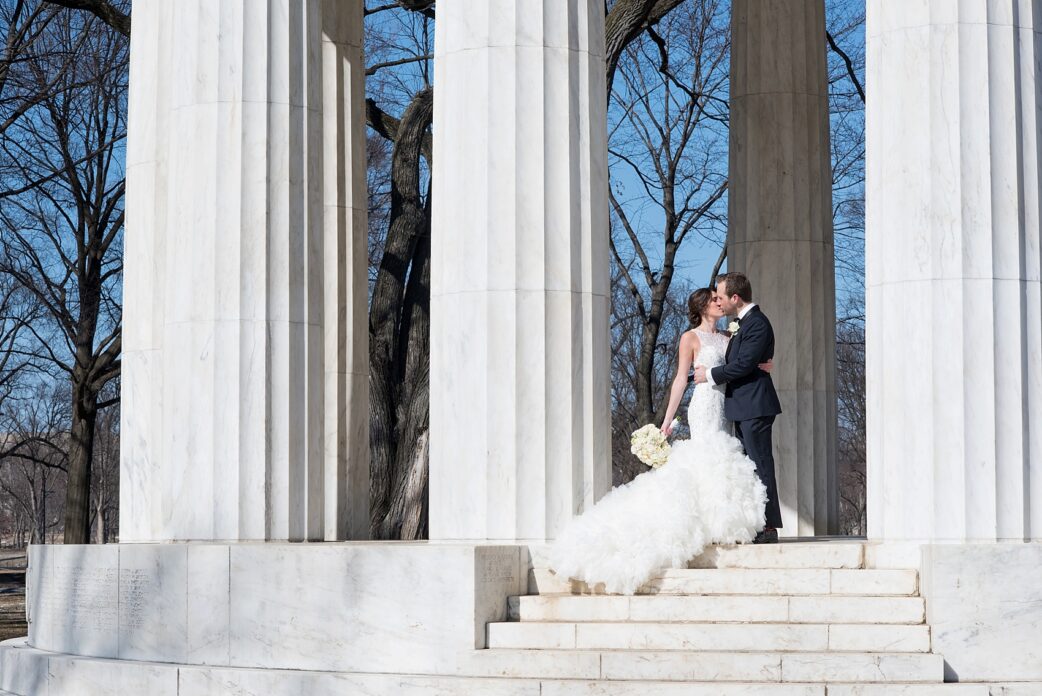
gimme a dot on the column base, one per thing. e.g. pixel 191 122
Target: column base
pixel 984 606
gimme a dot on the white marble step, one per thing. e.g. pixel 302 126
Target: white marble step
pixel 912 690
pixel 28 672
pixel 719 608
pixel 762 637
pixel 707 666
pixel 754 581
pixel 615 688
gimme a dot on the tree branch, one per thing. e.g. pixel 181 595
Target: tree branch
pixel 716 268
pixel 401 61
pixel 388 126
pixel 424 7
pixel 850 65
pixel 103 10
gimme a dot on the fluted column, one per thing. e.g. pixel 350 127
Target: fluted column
pixel 952 263
pixel 780 236
pixel 346 272
pixel 519 300
pixel 244 389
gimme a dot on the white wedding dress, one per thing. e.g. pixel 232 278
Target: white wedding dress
pixel 707 493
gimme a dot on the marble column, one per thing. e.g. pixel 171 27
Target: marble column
pixel 520 392
pixel 952 270
pixel 244 367
pixel 780 236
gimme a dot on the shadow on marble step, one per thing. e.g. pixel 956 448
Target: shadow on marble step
pixel 774 667
pixel 748 581
pixel 769 637
pixel 1016 689
pixel 719 609
pixel 789 554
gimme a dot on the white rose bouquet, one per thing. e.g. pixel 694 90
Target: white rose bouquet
pixel 650 446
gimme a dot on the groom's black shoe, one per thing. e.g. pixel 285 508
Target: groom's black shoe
pixel 766 536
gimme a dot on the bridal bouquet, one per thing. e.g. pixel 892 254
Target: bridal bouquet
pixel 650 445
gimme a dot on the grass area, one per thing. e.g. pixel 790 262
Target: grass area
pixel 12 616
pixel 12 595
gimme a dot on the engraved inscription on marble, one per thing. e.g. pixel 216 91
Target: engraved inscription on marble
pixel 81 598
pixel 136 588
pixel 498 567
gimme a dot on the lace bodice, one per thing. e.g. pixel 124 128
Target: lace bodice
pixel 714 347
pixel 705 412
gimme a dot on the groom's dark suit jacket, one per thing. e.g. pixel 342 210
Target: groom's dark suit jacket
pixel 750 391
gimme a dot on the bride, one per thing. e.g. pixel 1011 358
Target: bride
pixel 707 493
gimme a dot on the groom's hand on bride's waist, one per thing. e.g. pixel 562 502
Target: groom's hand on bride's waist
pixel 700 375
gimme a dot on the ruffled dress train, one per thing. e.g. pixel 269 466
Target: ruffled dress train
pixel 706 493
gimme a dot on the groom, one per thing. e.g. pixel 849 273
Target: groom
pixel 751 401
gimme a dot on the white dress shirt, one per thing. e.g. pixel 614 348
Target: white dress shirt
pixel 741 314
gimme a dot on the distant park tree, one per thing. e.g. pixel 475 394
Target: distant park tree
pixel 61 218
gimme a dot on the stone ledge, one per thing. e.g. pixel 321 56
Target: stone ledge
pixel 376 607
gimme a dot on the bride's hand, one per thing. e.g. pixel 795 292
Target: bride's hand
pixel 767 366
pixel 667 428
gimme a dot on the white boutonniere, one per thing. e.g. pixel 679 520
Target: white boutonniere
pixel 733 327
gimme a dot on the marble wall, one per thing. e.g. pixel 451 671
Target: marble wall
pixel 366 607
pixel 245 403
pixel 520 381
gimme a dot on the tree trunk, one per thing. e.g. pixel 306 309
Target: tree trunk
pixel 626 20
pixel 407 513
pixel 646 405
pixel 35 509
pixel 413 498
pixel 99 520
pixel 389 349
pixel 646 366
pixel 81 450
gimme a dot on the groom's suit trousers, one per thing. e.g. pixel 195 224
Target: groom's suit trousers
pixel 755 435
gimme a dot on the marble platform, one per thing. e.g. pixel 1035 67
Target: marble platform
pixel 224 619
pixel 25 671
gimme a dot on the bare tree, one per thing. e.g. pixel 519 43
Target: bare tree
pixel 845 39
pixel 104 484
pixel 668 143
pixel 21 23
pixel 62 224
pixel 627 331
pixel 850 395
pixel 34 459
pixel 399 342
pixel 111 13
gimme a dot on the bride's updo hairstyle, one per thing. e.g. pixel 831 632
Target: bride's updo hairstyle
pixel 696 305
